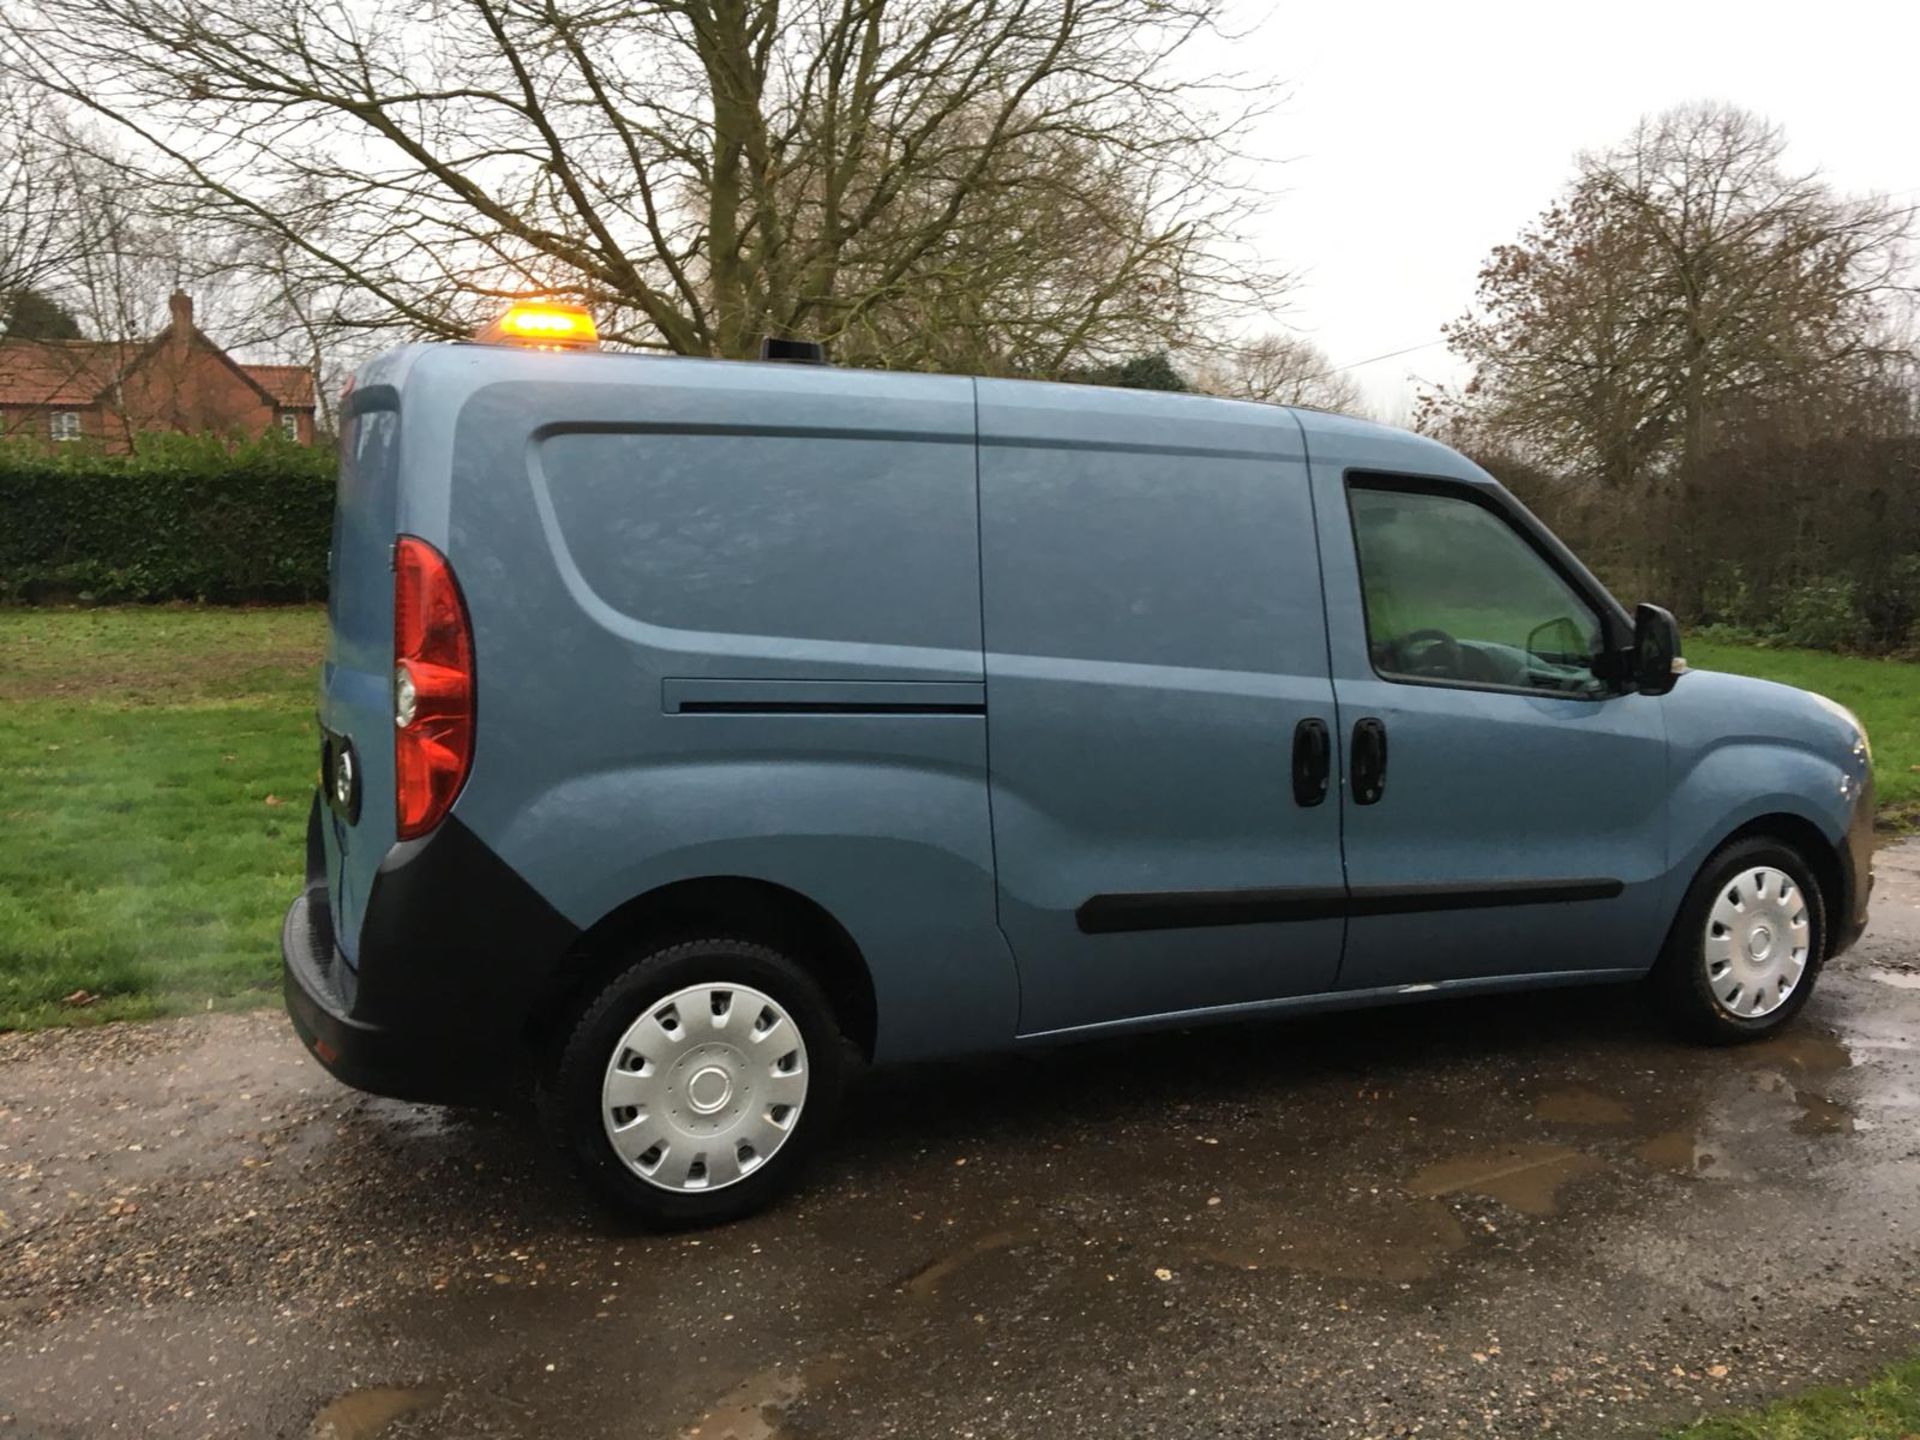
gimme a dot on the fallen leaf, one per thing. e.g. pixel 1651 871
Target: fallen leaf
pixel 79 998
pixel 275 800
pixel 1163 1273
pixel 1718 1372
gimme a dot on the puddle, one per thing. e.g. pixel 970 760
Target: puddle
pixel 1526 1177
pixel 756 1408
pixel 1677 1150
pixel 1743 1129
pixel 922 1283
pixel 1577 1105
pixel 364 1414
pixel 1809 1051
pixel 1821 1116
pixel 1685 1152
pixel 752 1410
pixel 1900 979
pixel 1403 1244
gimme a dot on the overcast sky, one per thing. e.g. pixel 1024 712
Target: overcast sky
pixel 1421 135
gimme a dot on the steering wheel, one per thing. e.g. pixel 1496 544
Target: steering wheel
pixel 1430 652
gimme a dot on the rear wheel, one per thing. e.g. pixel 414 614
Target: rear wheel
pixel 696 1085
pixel 1749 942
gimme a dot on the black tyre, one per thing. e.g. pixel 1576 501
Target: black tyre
pixel 1748 944
pixel 696 1085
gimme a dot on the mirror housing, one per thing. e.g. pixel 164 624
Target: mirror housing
pixel 1657 665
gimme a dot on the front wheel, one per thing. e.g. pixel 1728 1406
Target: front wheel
pixel 1749 942
pixel 696 1084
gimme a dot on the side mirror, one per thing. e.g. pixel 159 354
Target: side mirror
pixel 1657 665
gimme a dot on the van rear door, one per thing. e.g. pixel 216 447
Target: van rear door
pixel 356 703
pixel 1155 644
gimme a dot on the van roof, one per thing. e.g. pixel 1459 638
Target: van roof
pixel 492 363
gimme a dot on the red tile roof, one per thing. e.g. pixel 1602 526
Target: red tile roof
pixel 290 385
pixel 75 372
pixel 59 372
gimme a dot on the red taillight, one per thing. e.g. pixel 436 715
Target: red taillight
pixel 432 687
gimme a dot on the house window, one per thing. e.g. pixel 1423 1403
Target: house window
pixel 290 424
pixel 66 424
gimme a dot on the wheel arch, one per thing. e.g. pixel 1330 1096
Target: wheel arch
pixel 1826 858
pixel 736 906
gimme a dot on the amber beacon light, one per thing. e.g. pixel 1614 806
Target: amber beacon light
pixel 543 326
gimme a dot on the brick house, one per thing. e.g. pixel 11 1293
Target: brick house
pixel 109 391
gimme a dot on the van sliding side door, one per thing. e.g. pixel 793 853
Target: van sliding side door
pixel 1156 661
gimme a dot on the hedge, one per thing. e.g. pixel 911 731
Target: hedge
pixel 182 518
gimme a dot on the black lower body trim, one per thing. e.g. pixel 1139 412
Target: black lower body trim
pixel 1193 909
pixel 455 948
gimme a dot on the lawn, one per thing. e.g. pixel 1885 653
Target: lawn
pixel 1886 1409
pixel 156 764
pixel 155 769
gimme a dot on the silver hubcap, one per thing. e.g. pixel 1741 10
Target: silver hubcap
pixel 705 1087
pixel 1758 936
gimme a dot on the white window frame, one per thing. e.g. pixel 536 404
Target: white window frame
pixel 290 424
pixel 64 425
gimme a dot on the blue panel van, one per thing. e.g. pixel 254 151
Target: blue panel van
pixel 691 731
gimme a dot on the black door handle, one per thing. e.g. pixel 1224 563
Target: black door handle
pixel 1369 760
pixel 1312 762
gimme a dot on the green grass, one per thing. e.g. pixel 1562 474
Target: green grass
pixel 1886 1409
pixel 155 768
pixel 1885 694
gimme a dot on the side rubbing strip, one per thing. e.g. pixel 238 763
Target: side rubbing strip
pixel 1420 899
pixel 681 695
pixel 819 707
pixel 1192 909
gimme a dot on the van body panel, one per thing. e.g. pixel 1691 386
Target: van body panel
pixel 704 599
pixel 1487 791
pixel 1154 634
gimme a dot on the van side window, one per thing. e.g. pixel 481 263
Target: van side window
pixel 1455 594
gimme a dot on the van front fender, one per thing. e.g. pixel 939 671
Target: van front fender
pixel 1729 787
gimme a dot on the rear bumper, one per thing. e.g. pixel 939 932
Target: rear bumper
pixel 455 950
pixel 363 1055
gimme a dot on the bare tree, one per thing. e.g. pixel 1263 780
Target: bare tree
pixel 1686 276
pixel 1280 369
pixel 1008 184
pixel 1696 333
pixel 37 239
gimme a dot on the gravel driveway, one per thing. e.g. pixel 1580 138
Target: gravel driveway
pixel 1500 1216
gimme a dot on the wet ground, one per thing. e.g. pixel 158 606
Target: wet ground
pixel 1504 1216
